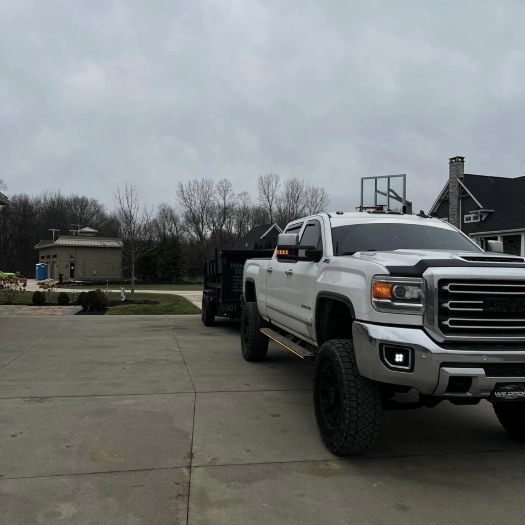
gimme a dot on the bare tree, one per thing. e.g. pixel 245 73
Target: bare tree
pixel 135 228
pixel 225 210
pixel 167 223
pixel 3 185
pixel 196 200
pixel 292 201
pixel 268 188
pixel 316 200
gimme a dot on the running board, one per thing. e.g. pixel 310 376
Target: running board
pixel 294 344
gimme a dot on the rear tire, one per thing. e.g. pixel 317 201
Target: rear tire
pixel 254 344
pixel 348 407
pixel 511 415
pixel 208 314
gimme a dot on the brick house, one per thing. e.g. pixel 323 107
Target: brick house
pixel 82 256
pixel 484 207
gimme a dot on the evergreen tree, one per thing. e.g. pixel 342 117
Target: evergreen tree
pixel 170 261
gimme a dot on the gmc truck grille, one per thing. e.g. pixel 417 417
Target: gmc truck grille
pixel 481 308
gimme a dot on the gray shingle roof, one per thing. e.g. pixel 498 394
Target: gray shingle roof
pixel 4 200
pixel 248 241
pixel 503 195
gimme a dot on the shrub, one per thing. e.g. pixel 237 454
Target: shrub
pixel 80 297
pixel 93 300
pixel 49 290
pixel 63 298
pixel 12 286
pixel 38 297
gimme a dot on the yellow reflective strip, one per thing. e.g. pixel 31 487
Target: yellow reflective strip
pixel 282 344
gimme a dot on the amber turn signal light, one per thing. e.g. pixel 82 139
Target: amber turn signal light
pixel 282 252
pixel 382 291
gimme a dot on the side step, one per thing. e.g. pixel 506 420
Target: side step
pixel 294 344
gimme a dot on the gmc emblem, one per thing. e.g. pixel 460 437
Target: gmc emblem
pixel 494 304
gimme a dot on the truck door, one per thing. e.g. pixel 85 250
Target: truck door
pixel 301 285
pixel 277 283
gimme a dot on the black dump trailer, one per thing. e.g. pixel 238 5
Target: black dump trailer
pixel 223 282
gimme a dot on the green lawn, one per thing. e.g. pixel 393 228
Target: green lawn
pixel 168 305
pixel 186 287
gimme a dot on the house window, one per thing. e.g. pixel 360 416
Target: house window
pixel 42 257
pixel 472 217
pixel 48 256
pixel 54 256
pixel 72 256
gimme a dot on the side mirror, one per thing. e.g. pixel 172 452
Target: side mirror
pixel 495 246
pixel 287 239
pixel 287 247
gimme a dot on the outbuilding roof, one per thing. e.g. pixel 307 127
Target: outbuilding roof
pixel 91 242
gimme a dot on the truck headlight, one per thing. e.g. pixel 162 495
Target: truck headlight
pixel 397 295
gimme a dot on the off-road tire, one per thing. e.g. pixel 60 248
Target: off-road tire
pixel 208 314
pixel 254 344
pixel 348 413
pixel 511 415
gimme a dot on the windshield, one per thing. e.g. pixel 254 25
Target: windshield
pixel 385 237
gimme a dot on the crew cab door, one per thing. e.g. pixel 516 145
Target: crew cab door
pixel 301 284
pixel 277 279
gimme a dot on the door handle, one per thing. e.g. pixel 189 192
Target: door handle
pixel 269 270
pixel 288 272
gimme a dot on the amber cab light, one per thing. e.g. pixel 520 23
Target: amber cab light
pixel 382 291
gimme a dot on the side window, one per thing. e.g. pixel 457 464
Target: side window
pixel 311 237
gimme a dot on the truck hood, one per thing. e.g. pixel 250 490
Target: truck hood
pixel 412 257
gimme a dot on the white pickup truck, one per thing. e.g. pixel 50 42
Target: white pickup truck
pixel 385 303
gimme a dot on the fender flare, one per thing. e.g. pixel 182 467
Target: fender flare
pixel 336 297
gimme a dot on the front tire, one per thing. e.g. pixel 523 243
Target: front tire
pixel 254 344
pixel 348 407
pixel 511 415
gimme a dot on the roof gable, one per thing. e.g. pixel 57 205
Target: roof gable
pixel 501 194
pixel 248 241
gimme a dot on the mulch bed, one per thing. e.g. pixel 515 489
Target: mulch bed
pixel 117 303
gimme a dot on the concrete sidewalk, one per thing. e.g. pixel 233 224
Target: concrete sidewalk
pixel 158 420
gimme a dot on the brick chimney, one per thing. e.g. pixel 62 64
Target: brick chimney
pixel 456 171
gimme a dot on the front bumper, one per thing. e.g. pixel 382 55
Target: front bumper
pixel 429 375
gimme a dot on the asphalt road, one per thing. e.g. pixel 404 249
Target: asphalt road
pixel 158 420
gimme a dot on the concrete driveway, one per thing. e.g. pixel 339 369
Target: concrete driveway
pixel 158 420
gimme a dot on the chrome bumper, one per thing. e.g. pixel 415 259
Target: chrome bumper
pixel 429 376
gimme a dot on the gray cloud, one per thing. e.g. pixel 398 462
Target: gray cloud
pixel 95 93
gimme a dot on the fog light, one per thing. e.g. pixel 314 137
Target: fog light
pixel 400 358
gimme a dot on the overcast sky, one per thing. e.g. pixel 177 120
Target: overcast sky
pixel 97 92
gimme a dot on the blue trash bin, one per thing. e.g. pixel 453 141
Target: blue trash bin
pixel 41 272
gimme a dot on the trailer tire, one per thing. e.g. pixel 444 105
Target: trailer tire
pixel 253 343
pixel 511 415
pixel 208 313
pixel 348 407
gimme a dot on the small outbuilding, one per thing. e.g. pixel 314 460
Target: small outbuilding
pixel 82 256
